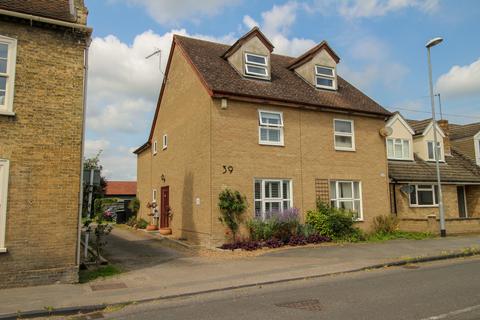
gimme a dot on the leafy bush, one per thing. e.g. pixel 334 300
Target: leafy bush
pixel 142 224
pixel 232 205
pixel 385 224
pixel 281 226
pixel 273 243
pixel 245 245
pixel 334 223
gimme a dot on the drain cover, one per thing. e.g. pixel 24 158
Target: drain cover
pixel 309 305
pixel 108 286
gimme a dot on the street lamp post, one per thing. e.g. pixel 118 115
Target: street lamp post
pixel 443 232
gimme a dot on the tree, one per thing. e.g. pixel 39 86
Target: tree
pixel 134 206
pixel 232 205
pixel 98 191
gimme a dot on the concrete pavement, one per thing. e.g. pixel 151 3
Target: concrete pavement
pixel 180 274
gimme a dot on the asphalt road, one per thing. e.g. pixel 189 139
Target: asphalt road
pixel 443 290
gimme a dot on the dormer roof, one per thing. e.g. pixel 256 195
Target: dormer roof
pixel 397 116
pixel 255 32
pixel 307 56
pixel 421 127
pixel 464 131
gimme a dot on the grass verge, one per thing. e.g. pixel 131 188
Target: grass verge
pixel 100 272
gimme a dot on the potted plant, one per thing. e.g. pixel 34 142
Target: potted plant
pixel 167 230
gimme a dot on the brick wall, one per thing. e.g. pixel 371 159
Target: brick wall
pixel 43 144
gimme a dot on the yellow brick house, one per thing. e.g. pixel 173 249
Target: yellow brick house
pixel 282 130
pixel 42 73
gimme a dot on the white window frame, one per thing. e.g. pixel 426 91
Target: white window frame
pixel 154 195
pixel 256 64
pixel 399 141
pixel 7 109
pixel 430 188
pixel 335 201
pixel 333 77
pixel 164 141
pixel 476 141
pixel 278 127
pixel 155 147
pixel 344 134
pixel 263 200
pixel 440 151
pixel 4 173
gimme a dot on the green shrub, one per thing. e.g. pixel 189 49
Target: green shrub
pixel 385 224
pixel 281 226
pixel 232 205
pixel 256 229
pixel 142 224
pixel 334 223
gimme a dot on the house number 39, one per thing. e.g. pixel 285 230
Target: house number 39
pixel 227 169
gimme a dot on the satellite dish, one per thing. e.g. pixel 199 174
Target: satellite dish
pixel 386 131
pixel 407 189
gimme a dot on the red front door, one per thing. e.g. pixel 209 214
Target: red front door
pixel 164 191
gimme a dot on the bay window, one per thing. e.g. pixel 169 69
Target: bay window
pixel 398 149
pixel 423 195
pixel 272 196
pixel 270 128
pixel 347 195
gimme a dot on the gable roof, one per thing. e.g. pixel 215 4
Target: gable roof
pixel 285 86
pixel 124 188
pixel 307 56
pixel 421 127
pixel 63 10
pixel 464 131
pixel 457 168
pixel 255 32
pixel 397 116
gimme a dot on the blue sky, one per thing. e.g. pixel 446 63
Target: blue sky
pixel 381 45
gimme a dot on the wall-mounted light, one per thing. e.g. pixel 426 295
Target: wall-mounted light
pixel 163 178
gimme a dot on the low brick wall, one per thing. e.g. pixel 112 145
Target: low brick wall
pixel 432 224
pixel 38 277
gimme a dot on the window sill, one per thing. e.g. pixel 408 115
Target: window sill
pixel 425 206
pixel 3 250
pixel 345 149
pixel 7 113
pixel 271 144
pixel 400 159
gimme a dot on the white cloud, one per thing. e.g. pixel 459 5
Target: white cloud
pixel 351 9
pixel 276 25
pixel 171 12
pixel 92 147
pixel 460 81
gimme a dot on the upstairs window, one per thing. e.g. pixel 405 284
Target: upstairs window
pixel 256 65
pixel 431 156
pixel 423 195
pixel 270 130
pixel 398 149
pixel 165 142
pixel 325 77
pixel 344 137
pixel 477 149
pixel 155 147
pixel 272 197
pixel 347 195
pixel 8 51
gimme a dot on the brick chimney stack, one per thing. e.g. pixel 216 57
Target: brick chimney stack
pixel 443 124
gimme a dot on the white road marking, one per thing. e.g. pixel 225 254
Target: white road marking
pixel 453 313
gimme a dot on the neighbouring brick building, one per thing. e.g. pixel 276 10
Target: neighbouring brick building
pixel 43 45
pixel 412 171
pixel 283 131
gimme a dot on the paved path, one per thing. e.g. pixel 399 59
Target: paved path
pixel 176 274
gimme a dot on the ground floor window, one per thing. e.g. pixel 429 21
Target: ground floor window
pixel 423 195
pixel 272 196
pixel 347 195
pixel 4 170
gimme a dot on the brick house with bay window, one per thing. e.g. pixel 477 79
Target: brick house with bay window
pixel 282 130
pixel 42 72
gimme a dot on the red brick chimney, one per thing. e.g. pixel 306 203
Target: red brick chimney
pixel 443 124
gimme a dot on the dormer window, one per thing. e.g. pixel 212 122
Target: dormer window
pixel 256 65
pixel 477 148
pixel 431 156
pixel 324 77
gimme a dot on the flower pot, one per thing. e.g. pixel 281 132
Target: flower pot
pixel 165 231
pixel 151 227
